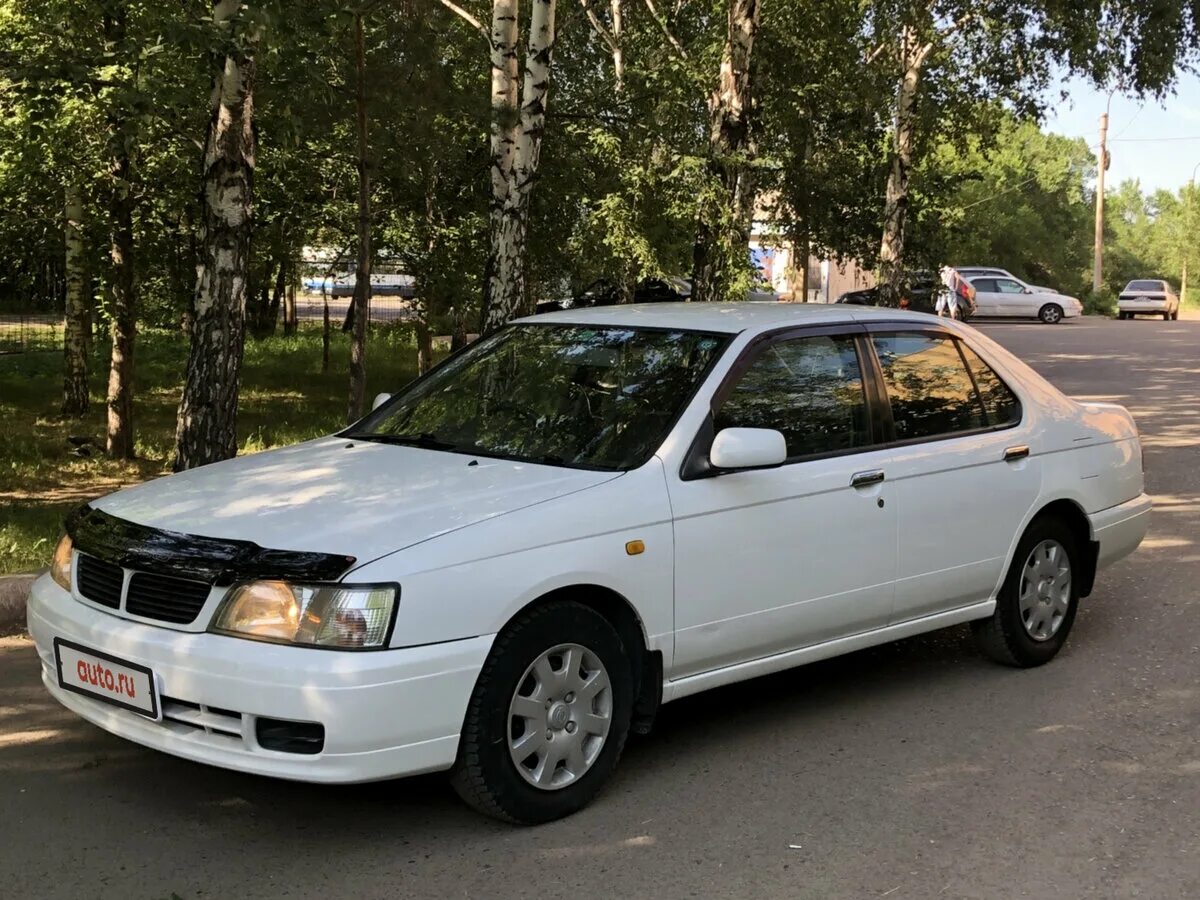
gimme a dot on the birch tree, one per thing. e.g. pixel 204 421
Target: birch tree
pixel 75 376
pixel 723 232
pixel 206 429
pixel 359 303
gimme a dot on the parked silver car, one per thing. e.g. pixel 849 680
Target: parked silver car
pixel 1148 297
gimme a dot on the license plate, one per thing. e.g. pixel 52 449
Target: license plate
pixel 91 673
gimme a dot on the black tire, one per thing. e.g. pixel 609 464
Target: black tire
pixel 484 774
pixel 1166 317
pixel 1122 316
pixel 1175 316
pixel 1051 313
pixel 1004 637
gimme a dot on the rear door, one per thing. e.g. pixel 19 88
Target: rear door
pixel 1012 300
pixel 985 296
pixel 962 469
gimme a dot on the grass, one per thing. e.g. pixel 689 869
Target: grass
pixel 285 398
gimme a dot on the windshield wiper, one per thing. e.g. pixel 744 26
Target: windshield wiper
pixel 423 439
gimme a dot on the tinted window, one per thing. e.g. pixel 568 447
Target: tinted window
pixel 599 397
pixel 1145 286
pixel 1007 286
pixel 984 285
pixel 930 389
pixel 1000 403
pixel 811 389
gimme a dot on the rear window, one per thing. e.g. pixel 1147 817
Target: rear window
pixel 1144 286
pixel 930 390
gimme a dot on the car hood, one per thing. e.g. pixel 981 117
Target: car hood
pixel 335 495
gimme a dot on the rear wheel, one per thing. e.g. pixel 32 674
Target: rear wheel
pixel 1051 314
pixel 1036 607
pixel 1166 317
pixel 1122 315
pixel 1175 316
pixel 548 718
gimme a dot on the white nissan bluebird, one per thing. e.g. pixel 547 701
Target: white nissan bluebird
pixel 508 566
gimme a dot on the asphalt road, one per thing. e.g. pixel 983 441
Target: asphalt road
pixel 915 770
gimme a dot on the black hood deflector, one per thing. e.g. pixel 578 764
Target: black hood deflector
pixel 215 560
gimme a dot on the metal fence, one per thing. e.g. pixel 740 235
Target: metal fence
pixel 310 308
pixel 25 332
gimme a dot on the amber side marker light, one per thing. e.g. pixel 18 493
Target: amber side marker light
pixel 633 548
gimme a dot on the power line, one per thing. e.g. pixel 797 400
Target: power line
pixel 1192 137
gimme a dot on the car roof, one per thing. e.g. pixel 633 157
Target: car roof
pixel 728 318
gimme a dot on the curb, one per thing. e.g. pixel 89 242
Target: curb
pixel 14 591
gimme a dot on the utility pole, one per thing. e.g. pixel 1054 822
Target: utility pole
pixel 1098 260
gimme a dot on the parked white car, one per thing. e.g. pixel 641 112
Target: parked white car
pixel 1147 296
pixel 974 271
pixel 508 566
pixel 996 296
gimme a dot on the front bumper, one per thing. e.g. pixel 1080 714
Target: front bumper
pixel 1120 529
pixel 386 713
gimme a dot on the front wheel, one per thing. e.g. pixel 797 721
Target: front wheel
pixel 1175 316
pixel 1036 606
pixel 1051 314
pixel 548 718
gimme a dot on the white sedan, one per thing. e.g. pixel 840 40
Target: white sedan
pixel 509 566
pixel 996 296
pixel 1143 297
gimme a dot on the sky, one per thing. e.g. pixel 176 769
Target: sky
pixel 1138 131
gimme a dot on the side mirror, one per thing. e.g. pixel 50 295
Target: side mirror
pixel 379 400
pixel 1027 291
pixel 748 448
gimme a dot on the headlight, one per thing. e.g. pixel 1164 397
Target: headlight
pixel 346 617
pixel 60 566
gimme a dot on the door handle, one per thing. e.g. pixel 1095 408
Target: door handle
pixel 1012 454
pixel 866 479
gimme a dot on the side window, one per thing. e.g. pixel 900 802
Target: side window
pixel 810 389
pixel 999 402
pixel 984 285
pixel 1008 286
pixel 930 390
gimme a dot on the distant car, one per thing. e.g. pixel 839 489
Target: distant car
pixel 920 289
pixel 1012 298
pixel 603 292
pixel 1148 297
pixel 975 271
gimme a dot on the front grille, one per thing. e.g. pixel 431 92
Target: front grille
pixel 163 597
pixel 99 581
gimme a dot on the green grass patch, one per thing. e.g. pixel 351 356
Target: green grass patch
pixel 285 398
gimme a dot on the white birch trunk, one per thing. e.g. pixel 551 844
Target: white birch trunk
pixel 504 127
pixel 360 303
pixel 618 50
pixel 206 430
pixel 75 375
pixel 507 293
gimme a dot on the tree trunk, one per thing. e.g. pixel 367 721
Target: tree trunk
pixel 505 120
pixel 895 210
pixel 362 273
pixel 618 48
pixel 507 291
pixel 206 430
pixel 119 437
pixel 723 238
pixel 271 319
pixel 75 376
pixel 290 320
pixel 803 251
pixel 424 345
pixel 325 331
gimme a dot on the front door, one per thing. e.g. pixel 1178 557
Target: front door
pixel 771 560
pixel 1013 299
pixel 964 472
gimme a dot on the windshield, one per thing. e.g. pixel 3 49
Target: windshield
pixel 1145 286
pixel 592 397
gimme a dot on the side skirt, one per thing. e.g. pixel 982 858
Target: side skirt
pixel 694 684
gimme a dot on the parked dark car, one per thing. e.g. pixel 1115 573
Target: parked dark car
pixel 603 292
pixel 920 289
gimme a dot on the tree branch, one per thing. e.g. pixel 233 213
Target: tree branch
pixel 599 28
pixel 467 17
pixel 662 23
